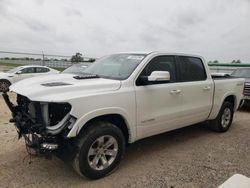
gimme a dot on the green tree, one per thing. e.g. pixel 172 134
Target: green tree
pixel 215 61
pixel 76 58
pixel 238 61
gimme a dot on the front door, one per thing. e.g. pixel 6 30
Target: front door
pixel 159 105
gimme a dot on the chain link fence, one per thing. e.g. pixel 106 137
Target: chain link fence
pixel 49 63
pixel 50 60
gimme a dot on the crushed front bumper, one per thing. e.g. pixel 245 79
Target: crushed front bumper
pixel 43 126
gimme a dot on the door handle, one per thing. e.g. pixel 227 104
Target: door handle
pixel 206 88
pixel 175 91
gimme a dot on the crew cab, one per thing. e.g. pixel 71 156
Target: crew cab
pixel 89 118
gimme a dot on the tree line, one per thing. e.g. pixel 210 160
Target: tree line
pixel 76 58
pixel 32 59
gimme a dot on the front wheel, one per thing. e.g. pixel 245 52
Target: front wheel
pixel 101 148
pixel 4 85
pixel 224 119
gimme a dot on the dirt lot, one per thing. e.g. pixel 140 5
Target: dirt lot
pixel 189 157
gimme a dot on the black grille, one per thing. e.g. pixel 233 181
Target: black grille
pixel 247 89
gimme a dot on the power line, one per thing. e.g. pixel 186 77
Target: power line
pixel 36 54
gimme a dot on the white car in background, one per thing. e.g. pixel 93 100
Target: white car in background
pixel 22 72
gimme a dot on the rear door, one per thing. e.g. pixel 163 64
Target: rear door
pixel 41 71
pixel 158 104
pixel 197 90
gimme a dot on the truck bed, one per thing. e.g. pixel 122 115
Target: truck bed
pixel 221 76
pixel 226 86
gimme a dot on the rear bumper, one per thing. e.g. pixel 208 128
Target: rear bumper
pixel 246 102
pixel 246 98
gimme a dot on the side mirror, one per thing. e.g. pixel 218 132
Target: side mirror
pixel 159 76
pixel 19 72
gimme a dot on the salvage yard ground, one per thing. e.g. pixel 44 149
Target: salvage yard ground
pixel 189 157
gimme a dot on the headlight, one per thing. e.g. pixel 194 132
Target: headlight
pixel 53 113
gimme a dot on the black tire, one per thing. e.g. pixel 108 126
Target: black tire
pixel 86 141
pixel 4 85
pixel 217 124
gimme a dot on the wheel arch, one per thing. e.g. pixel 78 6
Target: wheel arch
pixel 121 120
pixel 115 119
pixel 233 100
pixel 230 97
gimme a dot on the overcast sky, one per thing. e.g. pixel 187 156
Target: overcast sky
pixel 215 29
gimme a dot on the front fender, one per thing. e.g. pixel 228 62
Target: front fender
pixel 100 112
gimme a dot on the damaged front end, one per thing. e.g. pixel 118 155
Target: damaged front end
pixel 43 125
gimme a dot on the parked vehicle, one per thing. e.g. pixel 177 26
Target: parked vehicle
pixel 244 73
pixel 89 118
pixel 76 68
pixel 22 72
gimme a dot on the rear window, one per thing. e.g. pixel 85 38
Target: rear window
pixel 28 70
pixel 192 69
pixel 41 70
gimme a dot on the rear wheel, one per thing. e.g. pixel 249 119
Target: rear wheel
pixel 101 148
pixel 224 119
pixel 4 85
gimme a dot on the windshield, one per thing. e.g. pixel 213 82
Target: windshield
pixel 75 69
pixel 14 70
pixel 244 73
pixel 117 66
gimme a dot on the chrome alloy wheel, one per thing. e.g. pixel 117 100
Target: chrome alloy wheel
pixel 102 152
pixel 226 117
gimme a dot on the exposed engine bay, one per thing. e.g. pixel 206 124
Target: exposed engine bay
pixel 43 125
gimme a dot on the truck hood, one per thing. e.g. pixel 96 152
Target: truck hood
pixel 62 87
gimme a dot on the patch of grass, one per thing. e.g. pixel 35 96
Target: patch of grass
pixel 9 64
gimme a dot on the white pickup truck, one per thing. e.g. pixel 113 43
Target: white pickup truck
pixel 89 118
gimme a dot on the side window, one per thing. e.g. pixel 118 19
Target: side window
pixel 160 63
pixel 192 69
pixel 41 70
pixel 28 70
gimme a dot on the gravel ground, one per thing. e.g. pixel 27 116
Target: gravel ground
pixel 188 157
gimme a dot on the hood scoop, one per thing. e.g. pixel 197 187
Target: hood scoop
pixel 54 84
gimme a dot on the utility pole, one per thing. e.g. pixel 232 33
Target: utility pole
pixel 43 59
